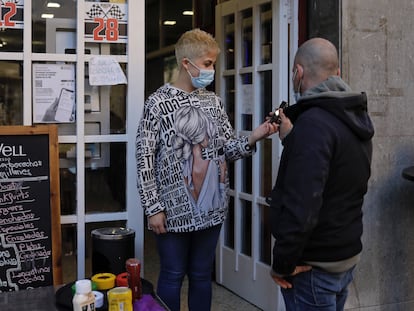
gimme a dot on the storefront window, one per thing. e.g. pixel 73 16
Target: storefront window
pixel 246 227
pixel 67 169
pixel 229 225
pixel 11 93
pixel 62 74
pixel 105 177
pixel 247 101
pixel 229 41
pixel 105 106
pixel 245 176
pixel 265 238
pixel 117 117
pixel 54 27
pixel 165 21
pixel 69 248
pixel 266 33
pixel 11 40
pixel 247 38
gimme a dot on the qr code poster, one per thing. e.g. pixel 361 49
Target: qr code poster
pixel 54 93
pixel 106 22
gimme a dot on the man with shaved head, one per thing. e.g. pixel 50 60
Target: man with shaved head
pixel 316 203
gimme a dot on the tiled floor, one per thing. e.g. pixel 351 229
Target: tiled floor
pixel 223 299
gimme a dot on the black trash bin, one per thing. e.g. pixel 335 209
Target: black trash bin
pixel 111 247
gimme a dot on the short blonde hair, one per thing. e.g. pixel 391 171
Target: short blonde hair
pixel 194 43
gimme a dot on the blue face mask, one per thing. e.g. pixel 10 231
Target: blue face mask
pixel 296 96
pixel 204 78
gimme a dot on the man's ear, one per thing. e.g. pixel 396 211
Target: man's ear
pixel 339 72
pixel 299 68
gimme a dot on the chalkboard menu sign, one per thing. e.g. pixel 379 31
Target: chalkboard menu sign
pixel 30 252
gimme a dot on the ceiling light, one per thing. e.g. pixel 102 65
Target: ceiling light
pixel 170 23
pixel 188 13
pixel 53 5
pixel 47 15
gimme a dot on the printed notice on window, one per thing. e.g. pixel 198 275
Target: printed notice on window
pixel 53 93
pixel 105 70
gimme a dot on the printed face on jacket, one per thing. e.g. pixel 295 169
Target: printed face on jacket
pixel 202 157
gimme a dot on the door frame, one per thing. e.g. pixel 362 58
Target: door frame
pixel 247 275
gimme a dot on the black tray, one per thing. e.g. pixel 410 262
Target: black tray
pixel 64 296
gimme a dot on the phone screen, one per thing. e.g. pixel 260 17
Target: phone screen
pixel 65 105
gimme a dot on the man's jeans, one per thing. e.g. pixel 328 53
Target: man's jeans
pixel 317 290
pixel 190 253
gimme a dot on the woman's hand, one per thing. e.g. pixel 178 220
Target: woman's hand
pixel 157 223
pixel 264 130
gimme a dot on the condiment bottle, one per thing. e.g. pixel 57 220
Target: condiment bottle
pixel 84 299
pixel 120 299
pixel 133 267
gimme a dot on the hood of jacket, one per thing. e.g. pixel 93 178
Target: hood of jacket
pixel 336 97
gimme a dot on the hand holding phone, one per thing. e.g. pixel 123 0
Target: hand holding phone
pixel 276 115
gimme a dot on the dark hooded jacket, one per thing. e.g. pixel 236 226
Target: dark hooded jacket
pixel 316 203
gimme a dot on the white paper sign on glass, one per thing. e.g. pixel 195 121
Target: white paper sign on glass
pixel 105 70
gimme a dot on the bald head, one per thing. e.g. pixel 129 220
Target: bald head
pixel 318 59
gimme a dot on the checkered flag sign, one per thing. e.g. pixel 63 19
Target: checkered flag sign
pixel 106 22
pixel 115 12
pixel 97 11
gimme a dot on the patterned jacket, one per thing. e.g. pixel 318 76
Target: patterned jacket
pixel 165 139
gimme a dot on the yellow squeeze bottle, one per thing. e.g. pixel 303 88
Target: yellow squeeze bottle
pixel 120 299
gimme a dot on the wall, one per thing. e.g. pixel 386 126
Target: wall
pixel 377 57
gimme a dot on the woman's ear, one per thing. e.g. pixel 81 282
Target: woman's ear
pixel 184 63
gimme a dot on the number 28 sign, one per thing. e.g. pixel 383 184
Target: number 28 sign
pixel 106 22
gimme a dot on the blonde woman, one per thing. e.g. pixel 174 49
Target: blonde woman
pixel 176 195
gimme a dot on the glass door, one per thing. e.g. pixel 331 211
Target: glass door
pixel 254 69
pixel 46 52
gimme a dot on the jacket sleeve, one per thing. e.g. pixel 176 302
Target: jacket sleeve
pixel 297 196
pixel 146 146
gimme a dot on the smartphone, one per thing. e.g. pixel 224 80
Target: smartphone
pixel 65 105
pixel 276 116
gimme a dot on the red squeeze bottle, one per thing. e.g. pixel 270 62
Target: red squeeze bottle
pixel 133 267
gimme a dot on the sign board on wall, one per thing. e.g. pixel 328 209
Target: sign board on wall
pixel 11 14
pixel 106 22
pixel 30 239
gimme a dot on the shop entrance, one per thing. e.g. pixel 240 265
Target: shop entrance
pixel 256 39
